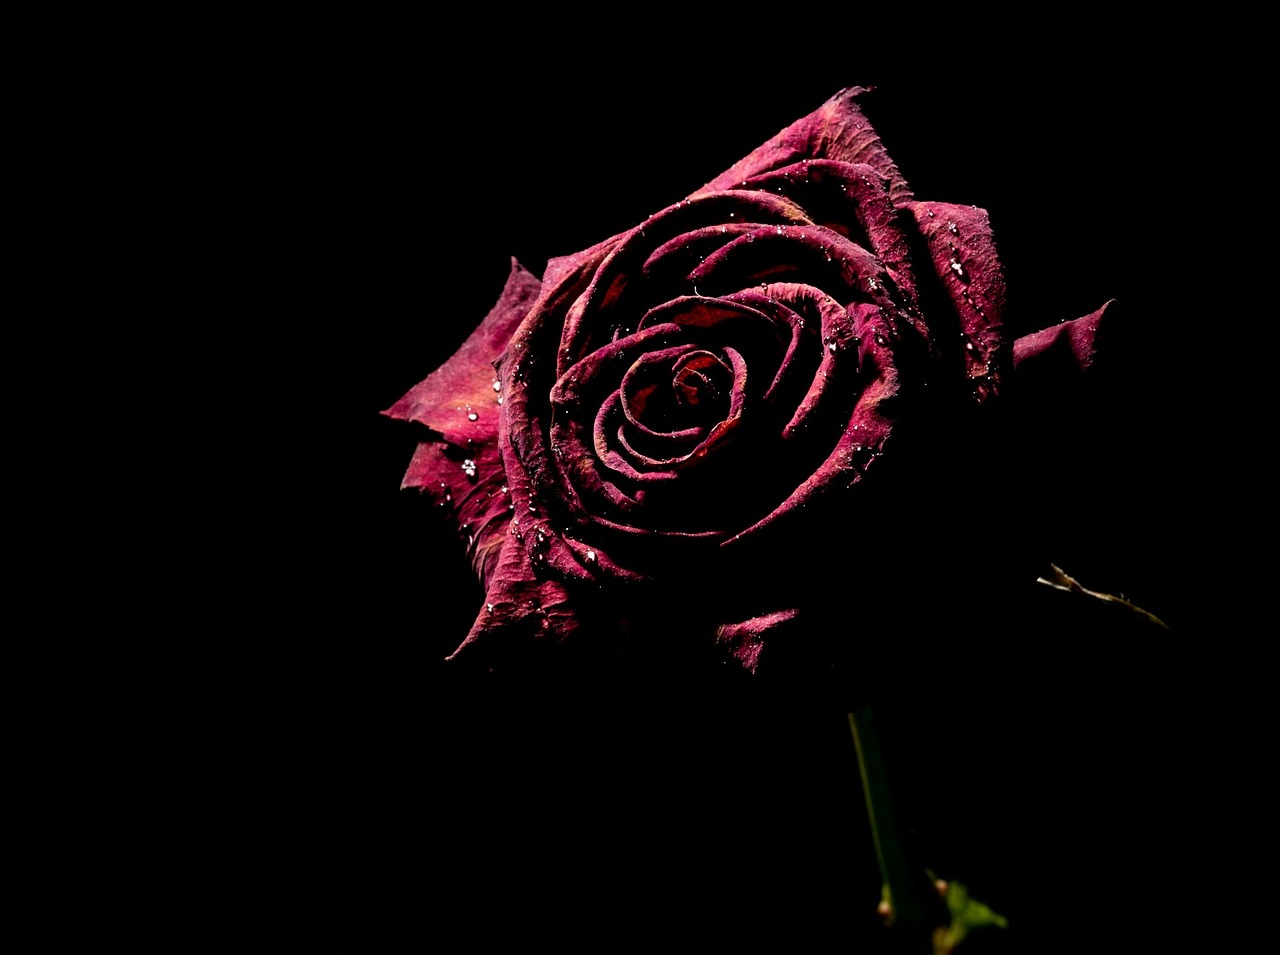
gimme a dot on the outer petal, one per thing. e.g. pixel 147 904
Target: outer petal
pixel 1061 354
pixel 963 253
pixel 457 399
pixel 461 465
pixel 836 130
pixel 521 611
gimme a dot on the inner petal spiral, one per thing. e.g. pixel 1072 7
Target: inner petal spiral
pixel 700 377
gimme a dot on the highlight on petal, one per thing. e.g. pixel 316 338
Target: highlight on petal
pixel 460 464
pixel 457 400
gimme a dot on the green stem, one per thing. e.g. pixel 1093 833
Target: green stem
pixel 905 882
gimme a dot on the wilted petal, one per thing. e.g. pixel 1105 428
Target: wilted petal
pixel 1061 354
pixel 457 399
pixel 461 466
pixel 964 257
pixel 836 130
pixel 521 611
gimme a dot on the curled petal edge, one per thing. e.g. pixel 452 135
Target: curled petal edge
pixel 1062 355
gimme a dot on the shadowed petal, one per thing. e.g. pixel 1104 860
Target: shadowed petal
pixel 1063 353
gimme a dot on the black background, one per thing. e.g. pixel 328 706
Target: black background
pixel 328 778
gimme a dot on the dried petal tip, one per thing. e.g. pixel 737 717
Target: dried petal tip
pixel 1064 353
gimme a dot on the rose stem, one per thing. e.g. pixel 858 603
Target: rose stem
pixel 906 895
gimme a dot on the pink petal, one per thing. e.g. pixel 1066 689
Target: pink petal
pixel 460 466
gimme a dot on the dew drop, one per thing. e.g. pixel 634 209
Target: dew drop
pixel 779 230
pixel 489 607
pixel 951 227
pixel 929 214
pixel 591 556
pixel 472 416
pixel 497 385
pixel 957 268
pixel 881 340
pixel 499 399
pixel 469 468
pixel 751 237
pixel 831 347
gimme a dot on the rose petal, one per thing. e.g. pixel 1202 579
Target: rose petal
pixel 1062 354
pixel 838 196
pixel 457 399
pixel 463 469
pixel 964 256
pixel 836 130
pixel 520 610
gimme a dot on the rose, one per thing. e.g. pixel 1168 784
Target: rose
pixel 715 421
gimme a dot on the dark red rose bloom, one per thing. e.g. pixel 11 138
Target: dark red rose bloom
pixel 751 410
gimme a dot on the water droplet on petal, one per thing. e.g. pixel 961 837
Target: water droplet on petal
pixel 591 556
pixel 472 416
pixel 751 237
pixel 951 227
pixel 489 607
pixel 469 468
pixel 497 385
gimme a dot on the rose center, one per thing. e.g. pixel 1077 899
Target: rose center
pixel 699 377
